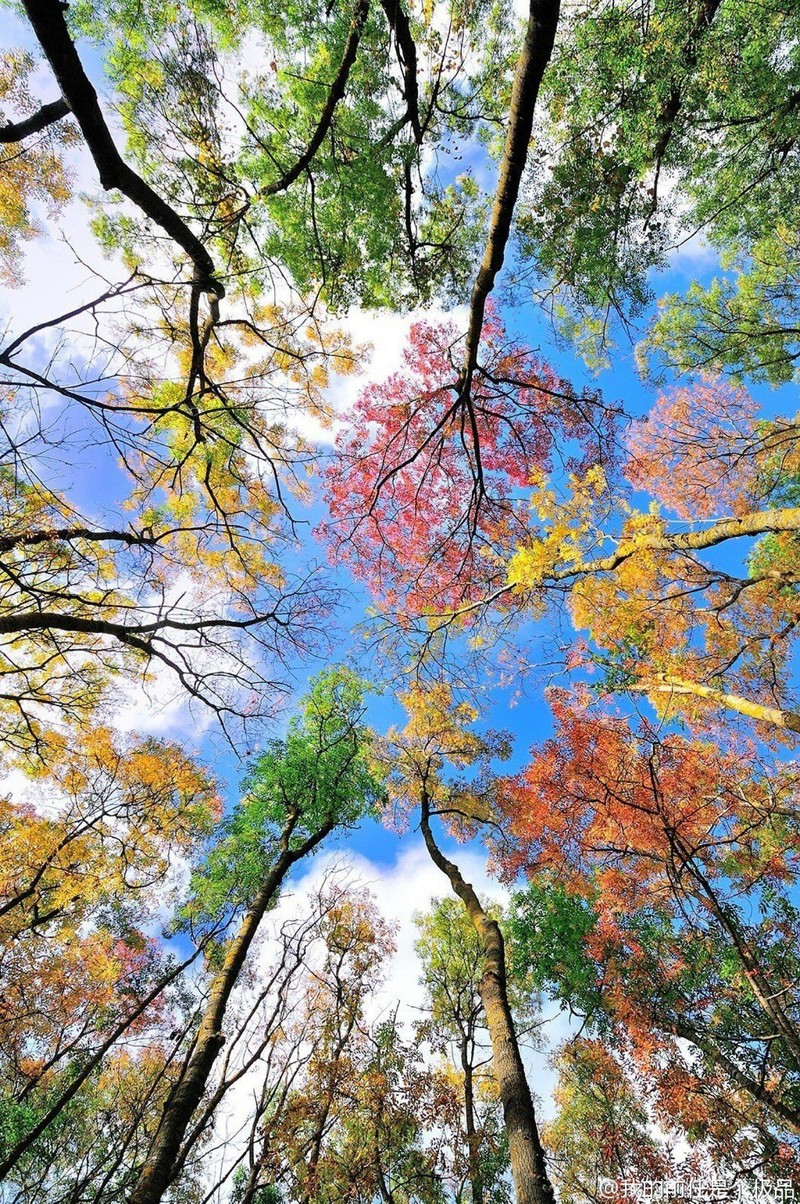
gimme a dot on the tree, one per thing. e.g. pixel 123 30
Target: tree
pixel 85 867
pixel 603 1129
pixel 416 760
pixel 190 581
pixel 187 369
pixel 676 861
pixel 452 958
pixel 742 324
pixel 702 94
pixel 424 501
pixel 356 943
pixel 395 1142
pixel 662 620
pixel 256 195
pixel 91 1149
pixel 299 790
pixel 354 1127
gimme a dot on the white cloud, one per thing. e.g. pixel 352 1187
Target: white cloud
pixel 401 891
pixel 157 706
pixel 383 336
pixel 693 256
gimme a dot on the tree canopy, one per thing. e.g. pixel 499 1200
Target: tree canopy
pixel 522 599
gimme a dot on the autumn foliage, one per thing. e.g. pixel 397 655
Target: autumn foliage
pixel 679 859
pixel 428 489
pixel 192 1008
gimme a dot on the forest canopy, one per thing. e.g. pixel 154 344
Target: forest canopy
pixel 399 580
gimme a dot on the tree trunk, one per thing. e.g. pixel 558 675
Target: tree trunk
pixel 156 1173
pixel 528 1169
pixel 537 47
pixel 774 716
pixel 473 1138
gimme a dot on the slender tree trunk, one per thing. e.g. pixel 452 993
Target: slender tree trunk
pixel 24 1144
pixel 156 1173
pixel 473 1138
pixel 537 47
pixel 252 1185
pixel 335 93
pixel 757 1090
pixel 528 1169
pixel 315 1150
pixel 380 1179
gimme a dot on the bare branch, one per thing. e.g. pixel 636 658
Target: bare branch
pixel 47 115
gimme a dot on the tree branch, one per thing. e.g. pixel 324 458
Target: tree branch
pixel 50 27
pixel 757 1090
pixel 47 115
pixel 537 48
pixel 774 716
pixel 757 522
pixel 335 94
pixel 58 534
